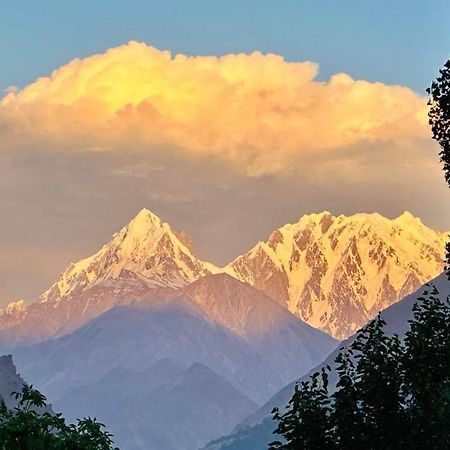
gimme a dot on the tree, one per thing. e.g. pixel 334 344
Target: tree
pixel 439 119
pixel 379 384
pixel 427 365
pixel 389 394
pixel 346 414
pixel 28 427
pixel 305 424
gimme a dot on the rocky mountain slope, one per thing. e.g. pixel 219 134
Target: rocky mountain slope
pixel 10 381
pixel 336 273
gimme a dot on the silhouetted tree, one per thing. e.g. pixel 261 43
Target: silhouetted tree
pixel 379 384
pixel 427 366
pixel 389 394
pixel 346 415
pixel 305 424
pixel 27 427
pixel 439 119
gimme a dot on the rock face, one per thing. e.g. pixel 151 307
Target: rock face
pixel 336 273
pixel 10 381
pixel 146 249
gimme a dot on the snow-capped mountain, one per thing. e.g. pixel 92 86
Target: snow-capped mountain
pixel 336 273
pixel 147 248
pixel 142 257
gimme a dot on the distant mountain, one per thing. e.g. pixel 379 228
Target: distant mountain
pixel 144 256
pixel 258 355
pixel 249 344
pixel 257 428
pixel 336 273
pixel 10 381
pixel 164 407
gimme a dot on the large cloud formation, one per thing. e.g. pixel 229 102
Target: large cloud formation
pixel 257 111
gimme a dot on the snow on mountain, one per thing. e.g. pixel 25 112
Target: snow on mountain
pixel 146 247
pixel 336 273
pixel 13 307
pixel 144 256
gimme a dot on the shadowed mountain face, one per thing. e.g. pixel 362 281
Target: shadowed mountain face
pixel 258 427
pixel 163 407
pixel 10 381
pixel 217 329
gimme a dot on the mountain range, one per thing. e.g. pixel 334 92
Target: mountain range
pixel 334 273
pixel 172 351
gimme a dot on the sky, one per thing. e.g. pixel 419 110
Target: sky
pixel 227 119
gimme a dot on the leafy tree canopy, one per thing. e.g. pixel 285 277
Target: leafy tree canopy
pixel 28 427
pixel 389 393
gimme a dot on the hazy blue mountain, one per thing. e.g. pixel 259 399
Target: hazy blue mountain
pixel 258 426
pixel 214 343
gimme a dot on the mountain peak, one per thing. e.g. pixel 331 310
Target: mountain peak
pixel 13 307
pixel 337 272
pixel 144 221
pixel 146 249
pixel 407 218
pixel 146 214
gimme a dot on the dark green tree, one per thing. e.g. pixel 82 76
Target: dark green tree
pixel 305 425
pixel 439 119
pixel 389 394
pixel 346 414
pixel 379 387
pixel 29 427
pixel 427 366
pixel 439 115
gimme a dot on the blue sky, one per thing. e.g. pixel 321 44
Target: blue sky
pixel 401 42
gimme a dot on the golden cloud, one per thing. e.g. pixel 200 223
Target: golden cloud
pixel 257 111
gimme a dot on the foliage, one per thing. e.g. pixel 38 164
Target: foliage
pixel 388 393
pixel 29 427
pixel 439 115
pixel 306 424
pixel 439 119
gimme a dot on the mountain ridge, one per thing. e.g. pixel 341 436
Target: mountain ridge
pixel 334 272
